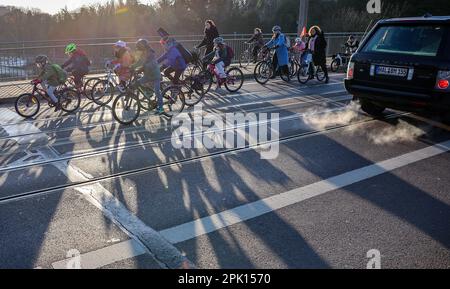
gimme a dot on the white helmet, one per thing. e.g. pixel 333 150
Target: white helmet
pixel 298 40
pixel 121 44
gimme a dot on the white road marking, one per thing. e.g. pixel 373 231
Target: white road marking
pixel 249 211
pixel 106 256
pixel 253 210
pixel 150 240
pixel 7 116
pixel 163 252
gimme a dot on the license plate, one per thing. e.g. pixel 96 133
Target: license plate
pixel 392 71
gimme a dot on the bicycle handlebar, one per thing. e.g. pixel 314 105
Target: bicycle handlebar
pixel 36 81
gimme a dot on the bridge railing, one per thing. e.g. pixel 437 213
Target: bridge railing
pixel 17 59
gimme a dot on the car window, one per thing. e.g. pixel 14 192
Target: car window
pixel 412 40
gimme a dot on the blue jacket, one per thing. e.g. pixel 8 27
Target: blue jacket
pixel 173 58
pixel 282 50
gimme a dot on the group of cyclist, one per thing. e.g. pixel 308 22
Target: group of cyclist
pixel 310 46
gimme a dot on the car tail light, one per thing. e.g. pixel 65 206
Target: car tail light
pixel 350 70
pixel 443 80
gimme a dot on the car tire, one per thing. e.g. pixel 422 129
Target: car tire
pixel 371 108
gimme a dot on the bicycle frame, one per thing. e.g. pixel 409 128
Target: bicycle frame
pixel 110 77
pixel 37 91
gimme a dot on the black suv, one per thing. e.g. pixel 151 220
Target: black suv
pixel 404 64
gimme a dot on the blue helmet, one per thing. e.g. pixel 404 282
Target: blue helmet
pixel 276 29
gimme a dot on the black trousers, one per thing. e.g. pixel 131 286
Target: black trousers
pixel 255 52
pixel 324 68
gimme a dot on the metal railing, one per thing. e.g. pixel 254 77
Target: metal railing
pixel 17 63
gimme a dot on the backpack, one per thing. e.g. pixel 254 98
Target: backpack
pixel 230 53
pixel 60 73
pixel 187 56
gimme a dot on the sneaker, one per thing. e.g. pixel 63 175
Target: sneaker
pixel 219 90
pixel 159 111
pixel 57 107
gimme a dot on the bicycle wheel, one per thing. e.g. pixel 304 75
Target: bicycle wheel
pixel 320 74
pixel 103 92
pixel 206 79
pixel 335 65
pixel 303 75
pixel 235 79
pixel 244 60
pixel 293 69
pixel 126 108
pixel 173 101
pixel 88 87
pixel 194 90
pixel 27 105
pixel 263 72
pixel 69 100
pixel 189 71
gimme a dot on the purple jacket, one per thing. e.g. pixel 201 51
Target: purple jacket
pixel 173 58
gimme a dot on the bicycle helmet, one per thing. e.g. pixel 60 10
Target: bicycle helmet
pixel 120 44
pixel 276 29
pixel 219 40
pixel 142 44
pixel 298 40
pixel 41 59
pixel 71 48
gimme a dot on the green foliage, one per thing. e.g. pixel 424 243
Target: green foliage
pixel 132 18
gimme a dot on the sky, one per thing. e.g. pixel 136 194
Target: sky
pixel 53 6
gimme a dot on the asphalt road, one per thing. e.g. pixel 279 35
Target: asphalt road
pixel 82 190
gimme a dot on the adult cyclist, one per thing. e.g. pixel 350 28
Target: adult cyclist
pixel 280 59
pixel 172 61
pixel 147 62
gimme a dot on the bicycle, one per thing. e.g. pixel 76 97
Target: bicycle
pixel 104 90
pixel 28 105
pixel 247 56
pixel 127 106
pixel 340 59
pixel 294 64
pixel 264 69
pixel 87 87
pixel 309 71
pixel 234 77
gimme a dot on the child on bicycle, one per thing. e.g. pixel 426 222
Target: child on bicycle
pixel 51 76
pixel 122 63
pixel 298 49
pixel 147 62
pixel 220 60
pixel 78 64
pixel 172 61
